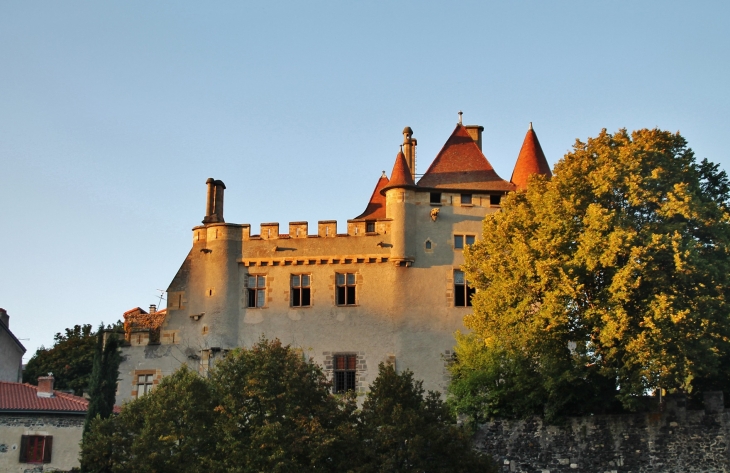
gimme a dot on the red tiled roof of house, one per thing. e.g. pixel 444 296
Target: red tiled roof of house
pixel 401 175
pixel 530 161
pixel 24 397
pixel 461 165
pixel 376 206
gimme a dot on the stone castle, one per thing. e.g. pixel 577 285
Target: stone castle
pixel 390 289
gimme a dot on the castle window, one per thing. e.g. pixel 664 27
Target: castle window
pixel 462 291
pixel 256 291
pixel 428 244
pixel 345 288
pixel 36 448
pixel 344 373
pixel 300 290
pixel 465 199
pixel 495 199
pixel 369 227
pixel 144 384
pixel 459 241
pixel 435 198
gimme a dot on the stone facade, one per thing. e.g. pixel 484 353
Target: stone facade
pixel 383 289
pixel 66 431
pixel 674 441
pixel 11 352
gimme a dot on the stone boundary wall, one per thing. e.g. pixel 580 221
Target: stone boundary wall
pixel 676 440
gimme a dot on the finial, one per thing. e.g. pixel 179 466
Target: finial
pixel 460 114
pixel 383 174
pixel 401 148
pixel 530 125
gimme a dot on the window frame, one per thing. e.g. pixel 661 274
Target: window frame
pixel 256 295
pixel 300 289
pixel 466 199
pixel 461 240
pixel 39 458
pixel 147 385
pixel 344 378
pixel 369 227
pixel 463 292
pixel 434 198
pixel 347 289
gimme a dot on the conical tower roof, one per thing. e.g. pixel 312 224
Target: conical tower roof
pixel 401 175
pixel 376 206
pixel 530 161
pixel 461 165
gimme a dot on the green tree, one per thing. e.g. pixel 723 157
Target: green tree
pixel 609 280
pixel 403 431
pixel 70 360
pixel 170 429
pixel 276 413
pixel 104 376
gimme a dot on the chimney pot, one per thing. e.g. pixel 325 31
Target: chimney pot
pixel 45 386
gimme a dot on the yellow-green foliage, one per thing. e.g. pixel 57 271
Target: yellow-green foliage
pixel 610 278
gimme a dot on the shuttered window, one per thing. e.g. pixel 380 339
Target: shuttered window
pixel 36 448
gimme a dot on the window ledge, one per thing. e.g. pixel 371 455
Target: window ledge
pixel 433 204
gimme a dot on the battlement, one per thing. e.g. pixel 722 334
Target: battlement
pixel 325 229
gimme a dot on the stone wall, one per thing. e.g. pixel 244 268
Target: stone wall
pixel 675 440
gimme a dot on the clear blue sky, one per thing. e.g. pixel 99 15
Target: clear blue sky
pixel 113 115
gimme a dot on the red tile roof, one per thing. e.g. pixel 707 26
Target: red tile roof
pixel 461 165
pixel 530 161
pixel 376 206
pixel 24 397
pixel 401 175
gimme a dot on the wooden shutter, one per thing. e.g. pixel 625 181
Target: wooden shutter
pixel 23 449
pixel 47 447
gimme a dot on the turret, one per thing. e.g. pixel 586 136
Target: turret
pixel 399 197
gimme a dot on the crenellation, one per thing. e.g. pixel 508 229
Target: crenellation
pixel 270 231
pixel 298 229
pixel 327 228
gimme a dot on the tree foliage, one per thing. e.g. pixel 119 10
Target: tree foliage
pixel 268 409
pixel 104 376
pixel 607 281
pixel 70 360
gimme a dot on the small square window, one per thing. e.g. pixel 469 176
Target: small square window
pixel 435 197
pixel 301 290
pixel 256 291
pixel 459 242
pixel 370 227
pixel 469 239
pixel 465 199
pixel 495 199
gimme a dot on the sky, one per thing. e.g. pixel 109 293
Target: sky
pixel 114 114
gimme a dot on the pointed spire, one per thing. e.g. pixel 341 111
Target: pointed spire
pixel 401 175
pixel 531 160
pixel 376 205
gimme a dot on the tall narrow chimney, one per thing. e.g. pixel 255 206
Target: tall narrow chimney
pixel 475 131
pixel 5 318
pixel 409 150
pixel 45 386
pixel 214 201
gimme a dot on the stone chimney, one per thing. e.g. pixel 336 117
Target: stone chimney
pixel 409 150
pixel 5 318
pixel 153 308
pixel 214 201
pixel 475 131
pixel 45 386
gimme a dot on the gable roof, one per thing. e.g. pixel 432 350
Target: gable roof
pixel 376 206
pixel 461 165
pixel 24 398
pixel 530 161
pixel 401 175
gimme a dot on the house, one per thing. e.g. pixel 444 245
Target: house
pixel 11 352
pixel 387 287
pixel 40 428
